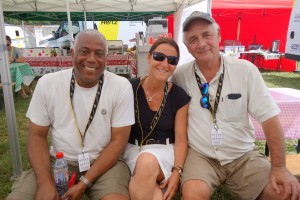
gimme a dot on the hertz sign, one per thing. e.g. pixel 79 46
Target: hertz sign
pixel 110 29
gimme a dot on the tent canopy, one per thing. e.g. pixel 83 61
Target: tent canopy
pixel 90 16
pixel 254 22
pixel 251 4
pixel 104 10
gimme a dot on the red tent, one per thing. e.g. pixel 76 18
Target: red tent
pixel 255 21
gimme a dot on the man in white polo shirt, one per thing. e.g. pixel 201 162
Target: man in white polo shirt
pixel 224 91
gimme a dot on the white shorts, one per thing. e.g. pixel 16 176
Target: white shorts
pixel 163 153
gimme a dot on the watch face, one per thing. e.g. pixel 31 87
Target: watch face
pixel 177 169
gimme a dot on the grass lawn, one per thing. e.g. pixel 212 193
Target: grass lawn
pixel 273 79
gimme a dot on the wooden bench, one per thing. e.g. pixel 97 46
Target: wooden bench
pixel 293 164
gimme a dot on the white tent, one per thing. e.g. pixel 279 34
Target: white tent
pixel 60 10
pixel 96 5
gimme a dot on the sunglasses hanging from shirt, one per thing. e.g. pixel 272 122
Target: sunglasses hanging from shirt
pixel 172 60
pixel 204 101
pixel 215 133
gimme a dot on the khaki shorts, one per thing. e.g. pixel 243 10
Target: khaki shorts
pixel 115 180
pixel 246 176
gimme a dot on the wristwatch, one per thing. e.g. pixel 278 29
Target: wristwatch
pixel 85 181
pixel 178 168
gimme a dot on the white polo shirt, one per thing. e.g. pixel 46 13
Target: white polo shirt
pixel 51 106
pixel 232 115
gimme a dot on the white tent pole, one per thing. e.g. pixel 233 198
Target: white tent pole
pixel 85 25
pixel 9 102
pixel 209 5
pixel 24 31
pixel 70 26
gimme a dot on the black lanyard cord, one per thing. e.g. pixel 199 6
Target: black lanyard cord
pixel 95 104
pixel 213 110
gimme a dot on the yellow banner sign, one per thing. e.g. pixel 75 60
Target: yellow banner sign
pixel 110 29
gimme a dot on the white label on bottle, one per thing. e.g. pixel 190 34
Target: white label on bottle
pixel 84 162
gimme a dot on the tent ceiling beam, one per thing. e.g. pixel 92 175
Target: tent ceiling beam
pixel 133 10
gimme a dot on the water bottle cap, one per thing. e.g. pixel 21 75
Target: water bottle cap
pixel 59 154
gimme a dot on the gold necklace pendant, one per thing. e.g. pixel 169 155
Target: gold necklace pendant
pixel 150 98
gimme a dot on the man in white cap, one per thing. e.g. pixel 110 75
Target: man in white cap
pixel 224 91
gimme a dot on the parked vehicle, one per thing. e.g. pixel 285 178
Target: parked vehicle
pixel 292 48
pixel 16 34
pixel 60 38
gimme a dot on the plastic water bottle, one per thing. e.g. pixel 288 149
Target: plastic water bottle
pixel 60 173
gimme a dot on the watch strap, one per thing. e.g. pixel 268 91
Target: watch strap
pixel 85 181
pixel 177 168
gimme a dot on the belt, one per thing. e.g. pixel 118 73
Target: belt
pixel 151 141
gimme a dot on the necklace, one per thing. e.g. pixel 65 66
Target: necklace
pixel 157 115
pixel 150 97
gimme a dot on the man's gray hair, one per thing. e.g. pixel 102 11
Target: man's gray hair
pixel 91 31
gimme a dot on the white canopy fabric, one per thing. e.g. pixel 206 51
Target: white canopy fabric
pixel 104 10
pixel 96 5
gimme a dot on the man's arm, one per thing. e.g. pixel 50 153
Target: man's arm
pixel 39 158
pixel 38 152
pixel 275 140
pixel 20 59
pixel 282 181
pixel 110 154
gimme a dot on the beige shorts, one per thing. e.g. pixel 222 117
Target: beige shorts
pixel 246 176
pixel 115 180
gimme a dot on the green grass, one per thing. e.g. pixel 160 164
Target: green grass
pixel 273 79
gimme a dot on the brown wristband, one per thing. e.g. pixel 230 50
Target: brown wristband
pixel 177 168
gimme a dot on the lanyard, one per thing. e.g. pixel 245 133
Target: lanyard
pixel 157 114
pixel 94 108
pixel 11 52
pixel 213 110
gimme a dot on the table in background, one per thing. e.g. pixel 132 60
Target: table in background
pixel 258 57
pixel 21 73
pixel 44 65
pixel 263 56
pixel 119 64
pixel 288 100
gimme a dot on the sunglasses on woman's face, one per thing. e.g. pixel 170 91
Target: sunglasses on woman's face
pixel 172 60
pixel 204 101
